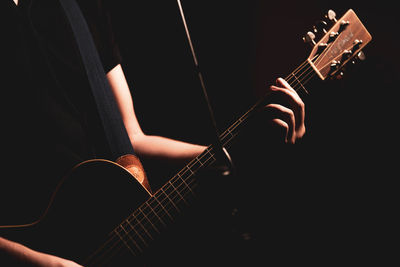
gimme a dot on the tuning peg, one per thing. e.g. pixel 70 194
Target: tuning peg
pixel 335 64
pixel 346 55
pixel 357 43
pixel 332 37
pixel 343 25
pixel 320 26
pixel 331 15
pixel 359 57
pixel 321 48
pixel 309 38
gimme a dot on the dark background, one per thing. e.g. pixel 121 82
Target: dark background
pixel 332 193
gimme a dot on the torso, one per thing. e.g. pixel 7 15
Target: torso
pixel 53 129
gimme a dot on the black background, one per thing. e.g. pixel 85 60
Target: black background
pixel 331 194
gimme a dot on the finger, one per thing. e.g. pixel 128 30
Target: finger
pixel 283 83
pixel 295 103
pixel 279 114
pixel 283 126
pixel 300 127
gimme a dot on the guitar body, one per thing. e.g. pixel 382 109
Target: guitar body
pixel 88 204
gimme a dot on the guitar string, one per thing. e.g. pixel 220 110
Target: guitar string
pixel 186 193
pixel 288 79
pixel 118 238
pixel 350 47
pixel 118 241
pixel 180 194
pixel 117 246
pixel 129 234
pixel 319 58
pixel 224 135
pixel 295 83
pixel 303 78
pixel 162 205
pixel 300 81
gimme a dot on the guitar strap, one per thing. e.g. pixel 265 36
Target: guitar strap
pixel 117 137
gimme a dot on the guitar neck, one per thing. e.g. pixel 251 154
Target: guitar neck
pixel 138 230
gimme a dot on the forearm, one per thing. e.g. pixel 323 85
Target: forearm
pixel 162 148
pixel 16 254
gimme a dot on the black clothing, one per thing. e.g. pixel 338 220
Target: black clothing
pixel 52 126
pixel 50 122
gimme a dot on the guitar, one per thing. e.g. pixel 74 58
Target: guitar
pixel 99 215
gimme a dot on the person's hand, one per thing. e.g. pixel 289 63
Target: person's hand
pixel 286 111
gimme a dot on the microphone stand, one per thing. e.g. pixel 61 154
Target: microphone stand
pixel 217 144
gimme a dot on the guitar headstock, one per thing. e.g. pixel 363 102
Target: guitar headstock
pixel 341 44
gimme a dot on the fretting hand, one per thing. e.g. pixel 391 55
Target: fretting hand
pixel 286 111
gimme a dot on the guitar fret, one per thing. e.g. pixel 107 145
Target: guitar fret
pixel 196 165
pixel 190 169
pixel 202 156
pixel 138 221
pixel 200 159
pixel 178 193
pixel 298 82
pixel 174 194
pixel 236 124
pixel 229 138
pixel 191 186
pixel 210 155
pixel 106 250
pixel 136 232
pixel 170 200
pixel 127 245
pixel 186 171
pixel 163 208
pixel 229 133
pixel 186 185
pixel 182 185
pixel 184 175
pixel 232 131
pixel 151 223
pixel 155 213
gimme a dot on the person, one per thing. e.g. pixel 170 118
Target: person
pixel 50 119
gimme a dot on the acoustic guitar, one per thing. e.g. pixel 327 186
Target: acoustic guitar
pixel 101 215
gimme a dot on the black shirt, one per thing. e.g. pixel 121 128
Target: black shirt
pixel 49 119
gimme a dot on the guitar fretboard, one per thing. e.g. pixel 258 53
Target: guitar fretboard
pixel 137 231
